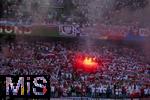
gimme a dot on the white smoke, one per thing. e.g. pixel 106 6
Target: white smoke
pixel 97 8
pixel 128 16
pixel 94 9
pixel 36 9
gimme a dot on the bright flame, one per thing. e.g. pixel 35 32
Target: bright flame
pixel 89 62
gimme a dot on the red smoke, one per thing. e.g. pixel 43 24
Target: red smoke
pixel 87 64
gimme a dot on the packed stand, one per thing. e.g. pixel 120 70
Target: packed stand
pixel 123 71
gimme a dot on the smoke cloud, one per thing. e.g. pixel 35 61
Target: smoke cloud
pixel 129 15
pixel 104 11
pixel 95 10
pixel 36 9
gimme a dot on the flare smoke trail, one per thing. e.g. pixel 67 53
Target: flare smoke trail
pixel 95 9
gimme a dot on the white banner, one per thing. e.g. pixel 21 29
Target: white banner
pixel 69 30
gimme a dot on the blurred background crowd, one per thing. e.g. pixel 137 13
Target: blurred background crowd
pixel 78 10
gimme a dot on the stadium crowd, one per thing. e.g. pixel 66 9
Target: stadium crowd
pixel 123 71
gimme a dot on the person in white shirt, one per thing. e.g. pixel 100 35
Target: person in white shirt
pixel 52 91
pixel 93 91
pixel 146 91
pixel 97 91
pixel 100 90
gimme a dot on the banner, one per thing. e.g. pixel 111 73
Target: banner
pixel 111 32
pixel 69 30
pixel 15 30
pixel 116 32
pixel 45 30
pixel 39 30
